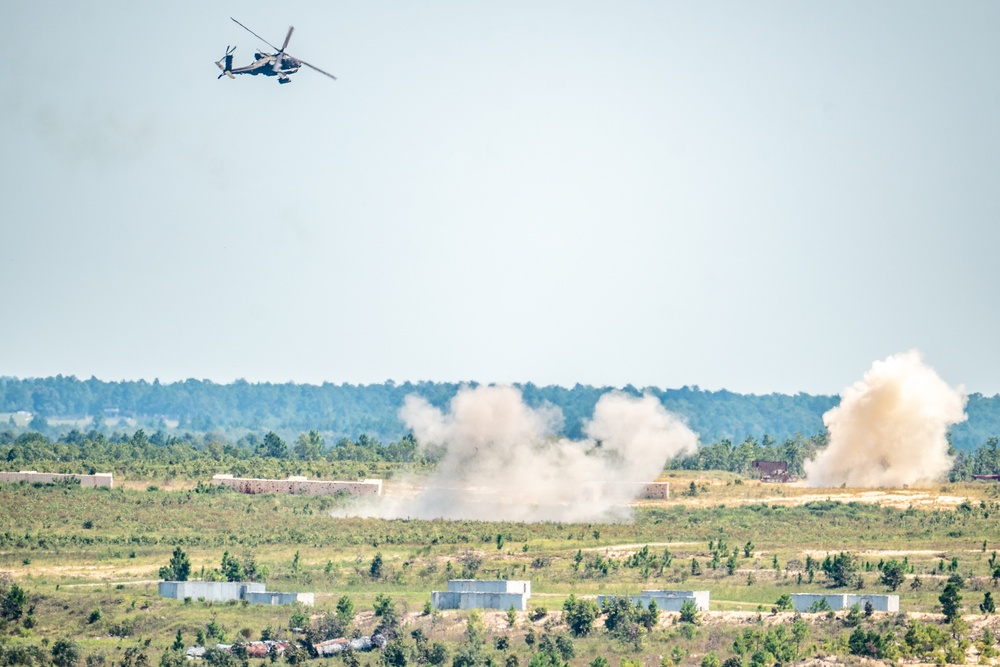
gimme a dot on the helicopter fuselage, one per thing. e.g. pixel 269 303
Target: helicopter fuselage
pixel 264 64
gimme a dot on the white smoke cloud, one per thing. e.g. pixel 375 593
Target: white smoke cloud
pixel 890 428
pixel 502 460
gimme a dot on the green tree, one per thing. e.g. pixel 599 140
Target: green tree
pixel 710 660
pixel 951 599
pixel 394 654
pixel 437 654
pixel 800 632
pixel 867 643
pixel 345 611
pixel 309 446
pixel 179 567
pixel 854 616
pixel 13 603
pixel 475 628
pixel 273 447
pixel 298 619
pixel 580 615
pixel 171 659
pixel 385 610
pixel 178 642
pixel 619 613
pixel 689 612
pixel 988 606
pixel 893 574
pixel 134 656
pixel 232 569
pixel 65 653
pixel 216 657
pixel 376 569
pixel 841 569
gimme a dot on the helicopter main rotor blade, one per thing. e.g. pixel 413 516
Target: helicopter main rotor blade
pixel 276 66
pixel 317 69
pixel 258 36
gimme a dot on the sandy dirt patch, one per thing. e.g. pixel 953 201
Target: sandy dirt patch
pixel 103 573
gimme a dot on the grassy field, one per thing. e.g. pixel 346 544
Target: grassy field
pixel 79 550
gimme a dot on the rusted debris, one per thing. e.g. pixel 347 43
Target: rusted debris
pixel 341 644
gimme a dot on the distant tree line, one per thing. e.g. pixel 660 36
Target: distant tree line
pixel 348 411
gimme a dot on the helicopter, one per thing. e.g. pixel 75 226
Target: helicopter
pixel 279 63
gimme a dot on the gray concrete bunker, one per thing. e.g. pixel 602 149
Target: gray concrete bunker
pixel 483 594
pixel 224 591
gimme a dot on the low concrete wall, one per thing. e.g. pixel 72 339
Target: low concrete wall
pixel 214 591
pixel 665 600
pixel 281 598
pixel 838 601
pixel 101 479
pixel 477 600
pixel 294 484
pixel 223 591
pixel 516 586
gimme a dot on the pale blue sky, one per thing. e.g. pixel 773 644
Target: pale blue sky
pixel 757 196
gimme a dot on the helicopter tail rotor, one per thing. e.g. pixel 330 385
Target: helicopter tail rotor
pixel 226 64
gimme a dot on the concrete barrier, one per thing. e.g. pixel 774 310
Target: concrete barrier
pixel 838 601
pixel 101 479
pixel 666 600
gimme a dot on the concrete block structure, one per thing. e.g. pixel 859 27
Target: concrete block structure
pixel 224 591
pixel 665 600
pixel 838 601
pixel 483 594
pixel 773 471
pixel 101 479
pixel 655 491
pixel 303 485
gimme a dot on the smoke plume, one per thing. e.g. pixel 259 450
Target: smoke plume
pixel 501 460
pixel 890 428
